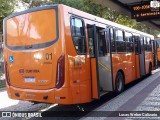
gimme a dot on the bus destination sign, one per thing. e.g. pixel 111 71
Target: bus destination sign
pixel 145 11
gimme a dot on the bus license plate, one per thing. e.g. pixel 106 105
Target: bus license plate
pixel 29 79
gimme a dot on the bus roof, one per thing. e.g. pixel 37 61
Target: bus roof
pixel 109 23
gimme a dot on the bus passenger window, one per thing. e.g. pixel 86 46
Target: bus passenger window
pixel 101 43
pixel 119 35
pixel 142 44
pixel 120 43
pixel 78 35
pixel 137 44
pixel 149 46
pixel 145 44
pixel 113 47
pixel 129 42
pixel 90 40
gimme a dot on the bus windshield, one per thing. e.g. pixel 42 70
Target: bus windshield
pixel 32 28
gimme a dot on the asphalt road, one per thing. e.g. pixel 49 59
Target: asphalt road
pixel 141 95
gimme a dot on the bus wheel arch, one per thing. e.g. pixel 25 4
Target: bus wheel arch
pixel 119 82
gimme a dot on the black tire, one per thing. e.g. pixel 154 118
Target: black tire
pixel 150 69
pixel 119 83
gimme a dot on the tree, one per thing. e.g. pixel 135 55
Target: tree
pixel 6 8
pixel 91 7
pixel 35 3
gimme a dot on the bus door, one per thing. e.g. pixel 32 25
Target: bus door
pixel 142 57
pixel 138 52
pixel 100 59
pixel 104 60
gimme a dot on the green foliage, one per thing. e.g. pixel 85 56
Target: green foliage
pixel 6 8
pixel 35 3
pixel 2 85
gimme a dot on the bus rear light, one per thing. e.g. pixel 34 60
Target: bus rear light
pixel 60 72
pixel 7 73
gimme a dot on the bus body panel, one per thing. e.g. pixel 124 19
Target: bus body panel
pixel 78 65
pixel 126 63
pixel 137 67
pixel 158 54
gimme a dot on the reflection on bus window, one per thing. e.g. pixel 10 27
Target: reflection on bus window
pixel 78 35
pixel 102 43
pixel 120 43
pixel 129 42
pixel 113 46
pixel 119 35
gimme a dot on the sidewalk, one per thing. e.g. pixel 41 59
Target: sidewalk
pixel 143 96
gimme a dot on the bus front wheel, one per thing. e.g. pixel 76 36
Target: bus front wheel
pixel 119 83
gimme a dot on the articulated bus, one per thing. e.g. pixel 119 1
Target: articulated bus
pixel 58 54
pixel 156 48
pixel 156 53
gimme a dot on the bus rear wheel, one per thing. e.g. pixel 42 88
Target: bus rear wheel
pixel 119 83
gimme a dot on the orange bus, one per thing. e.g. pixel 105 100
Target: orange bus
pixel 156 53
pixel 58 54
pixel 156 44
